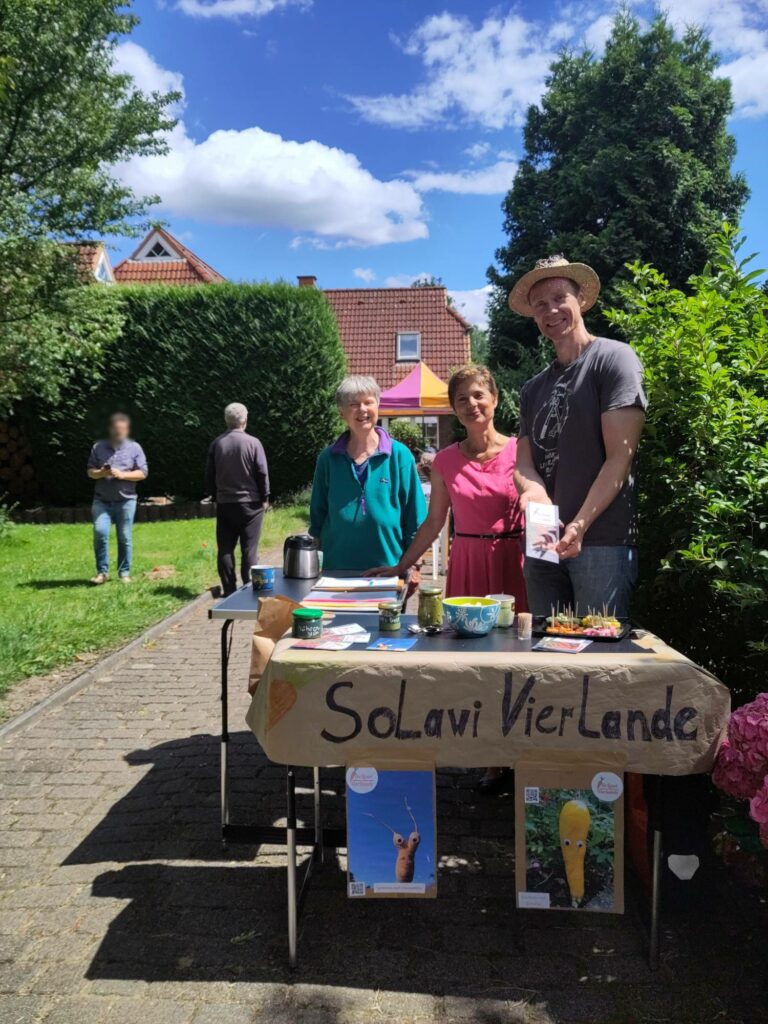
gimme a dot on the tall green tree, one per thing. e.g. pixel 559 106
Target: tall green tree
pixel 627 158
pixel 67 118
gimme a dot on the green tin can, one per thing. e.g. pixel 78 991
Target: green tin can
pixel 307 623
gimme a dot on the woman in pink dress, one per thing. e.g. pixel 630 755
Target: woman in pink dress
pixel 474 479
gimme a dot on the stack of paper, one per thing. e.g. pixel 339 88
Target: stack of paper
pixel 341 602
pixel 358 583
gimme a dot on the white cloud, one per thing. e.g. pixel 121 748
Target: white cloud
pixel 236 8
pixel 596 35
pixel 486 181
pixel 739 33
pixel 255 177
pixel 132 59
pixel 472 304
pixel 487 75
pixel 478 150
pixel 749 81
pixel 406 280
pixel 365 274
pixel 738 30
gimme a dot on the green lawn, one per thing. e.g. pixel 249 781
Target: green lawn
pixel 50 613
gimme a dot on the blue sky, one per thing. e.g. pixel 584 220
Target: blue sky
pixel 371 141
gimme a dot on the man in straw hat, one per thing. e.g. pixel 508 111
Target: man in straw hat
pixel 580 425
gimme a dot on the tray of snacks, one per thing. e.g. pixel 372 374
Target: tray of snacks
pixel 593 626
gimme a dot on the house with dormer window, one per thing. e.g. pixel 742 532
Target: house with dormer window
pixel 162 259
pixel 398 333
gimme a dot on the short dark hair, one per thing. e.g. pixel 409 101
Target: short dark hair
pixel 472 371
pixel 119 417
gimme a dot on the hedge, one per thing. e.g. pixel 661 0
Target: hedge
pixel 183 355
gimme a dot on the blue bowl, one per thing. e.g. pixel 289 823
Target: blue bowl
pixel 471 616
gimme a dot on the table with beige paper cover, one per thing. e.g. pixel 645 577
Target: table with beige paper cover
pixel 492 700
pixel 470 703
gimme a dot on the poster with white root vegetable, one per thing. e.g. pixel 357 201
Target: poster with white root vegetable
pixel 391 835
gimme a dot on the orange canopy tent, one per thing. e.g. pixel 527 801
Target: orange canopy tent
pixel 420 393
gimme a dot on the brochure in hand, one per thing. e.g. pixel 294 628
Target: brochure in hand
pixel 542 531
pixel 391 834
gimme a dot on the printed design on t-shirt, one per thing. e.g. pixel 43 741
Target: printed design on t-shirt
pixel 548 424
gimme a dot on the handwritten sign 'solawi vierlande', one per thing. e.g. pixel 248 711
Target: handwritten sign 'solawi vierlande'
pixel 521 710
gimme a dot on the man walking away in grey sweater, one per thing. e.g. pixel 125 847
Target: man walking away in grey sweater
pixel 236 475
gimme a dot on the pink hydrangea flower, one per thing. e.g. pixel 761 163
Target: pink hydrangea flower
pixel 758 805
pixel 742 762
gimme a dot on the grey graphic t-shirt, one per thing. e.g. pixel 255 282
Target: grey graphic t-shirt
pixel 560 410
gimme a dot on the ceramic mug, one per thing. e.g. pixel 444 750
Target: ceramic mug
pixel 262 577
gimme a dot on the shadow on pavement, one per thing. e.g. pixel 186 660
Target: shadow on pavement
pixel 221 915
pixel 172 813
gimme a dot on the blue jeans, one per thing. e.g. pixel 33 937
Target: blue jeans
pixel 103 514
pixel 600 575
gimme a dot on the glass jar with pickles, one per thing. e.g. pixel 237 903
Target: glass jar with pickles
pixel 430 612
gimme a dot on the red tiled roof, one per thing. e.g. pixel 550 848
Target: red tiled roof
pixel 369 320
pixel 88 254
pixel 189 270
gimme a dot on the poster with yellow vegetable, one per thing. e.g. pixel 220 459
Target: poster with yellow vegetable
pixel 569 833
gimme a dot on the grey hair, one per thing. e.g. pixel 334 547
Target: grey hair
pixel 355 385
pixel 235 415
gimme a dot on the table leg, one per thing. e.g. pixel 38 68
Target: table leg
pixel 291 852
pixel 319 851
pixel 653 945
pixel 226 631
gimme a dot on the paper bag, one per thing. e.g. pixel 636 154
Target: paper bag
pixel 273 621
pixel 569 832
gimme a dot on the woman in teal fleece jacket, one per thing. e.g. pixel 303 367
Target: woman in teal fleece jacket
pixel 367 500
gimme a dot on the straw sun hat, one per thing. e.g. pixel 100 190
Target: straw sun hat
pixel 554 266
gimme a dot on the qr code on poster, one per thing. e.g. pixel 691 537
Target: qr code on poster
pixel 531 794
pixel 357 888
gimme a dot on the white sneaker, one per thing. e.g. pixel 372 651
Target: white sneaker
pixel 99 578
pixel 125 579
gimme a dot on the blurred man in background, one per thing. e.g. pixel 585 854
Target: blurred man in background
pixel 237 477
pixel 117 464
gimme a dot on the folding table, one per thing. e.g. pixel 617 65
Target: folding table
pixel 244 605
pixel 345 705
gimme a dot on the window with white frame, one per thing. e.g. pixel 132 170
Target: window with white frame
pixel 408 346
pixel 158 252
pixel 101 273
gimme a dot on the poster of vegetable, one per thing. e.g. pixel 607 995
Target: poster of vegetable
pixel 391 836
pixel 569 835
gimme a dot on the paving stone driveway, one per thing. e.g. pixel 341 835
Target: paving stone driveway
pixel 117 903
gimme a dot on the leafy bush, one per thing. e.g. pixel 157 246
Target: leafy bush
pixel 407 433
pixel 183 355
pixel 704 463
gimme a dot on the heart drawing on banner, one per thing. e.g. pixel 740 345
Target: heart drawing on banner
pixel 282 697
